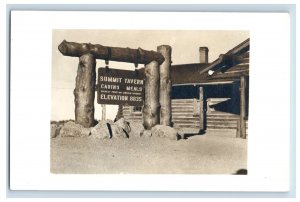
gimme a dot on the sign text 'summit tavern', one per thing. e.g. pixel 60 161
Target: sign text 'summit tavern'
pixel 120 87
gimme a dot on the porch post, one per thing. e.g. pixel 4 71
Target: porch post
pixel 242 108
pixel 201 108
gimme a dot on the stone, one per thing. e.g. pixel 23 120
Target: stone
pixel 165 132
pixel 86 131
pixel 101 130
pixel 181 133
pixel 118 132
pixel 147 133
pixel 71 129
pixel 109 121
pixel 108 129
pixel 136 128
pixel 123 124
pixel 55 129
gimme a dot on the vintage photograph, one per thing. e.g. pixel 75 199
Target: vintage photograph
pixel 149 101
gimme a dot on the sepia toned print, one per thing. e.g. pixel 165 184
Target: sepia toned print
pixel 150 101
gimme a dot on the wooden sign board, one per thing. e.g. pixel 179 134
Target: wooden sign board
pixel 120 87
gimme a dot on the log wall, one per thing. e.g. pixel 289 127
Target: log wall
pixel 185 114
pixel 217 120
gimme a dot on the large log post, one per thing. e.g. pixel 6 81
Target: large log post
pixel 165 86
pixel 84 91
pixel 151 106
pixel 137 56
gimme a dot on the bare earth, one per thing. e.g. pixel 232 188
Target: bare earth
pixel 212 153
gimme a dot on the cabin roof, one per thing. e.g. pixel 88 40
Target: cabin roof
pixel 228 67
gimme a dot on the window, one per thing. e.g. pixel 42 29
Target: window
pixel 137 109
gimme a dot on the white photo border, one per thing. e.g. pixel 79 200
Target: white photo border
pixel 12 106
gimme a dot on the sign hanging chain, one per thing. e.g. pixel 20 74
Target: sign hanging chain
pixel 107 59
pixel 136 64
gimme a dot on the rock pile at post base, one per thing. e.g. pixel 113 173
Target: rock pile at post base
pixel 54 130
pixel 162 131
pixel 71 129
pixel 108 129
pixel 136 128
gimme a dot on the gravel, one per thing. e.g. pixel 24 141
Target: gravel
pixel 212 153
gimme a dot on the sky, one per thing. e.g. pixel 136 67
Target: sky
pixel 185 49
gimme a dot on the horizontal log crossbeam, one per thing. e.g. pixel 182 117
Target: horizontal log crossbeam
pixel 136 56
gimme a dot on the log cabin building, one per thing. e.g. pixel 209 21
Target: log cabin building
pixel 208 96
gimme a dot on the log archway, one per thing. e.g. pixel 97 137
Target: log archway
pixel 86 80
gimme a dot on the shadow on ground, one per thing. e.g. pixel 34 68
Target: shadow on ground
pixel 241 172
pixel 188 135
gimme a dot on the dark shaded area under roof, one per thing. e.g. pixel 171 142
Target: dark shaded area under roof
pixel 186 73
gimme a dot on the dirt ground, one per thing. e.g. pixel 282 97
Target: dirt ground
pixel 211 153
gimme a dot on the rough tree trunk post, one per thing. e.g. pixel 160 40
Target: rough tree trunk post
pixel 165 86
pixel 151 106
pixel 84 91
pixel 242 108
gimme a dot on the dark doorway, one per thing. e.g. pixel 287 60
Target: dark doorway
pixel 185 92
